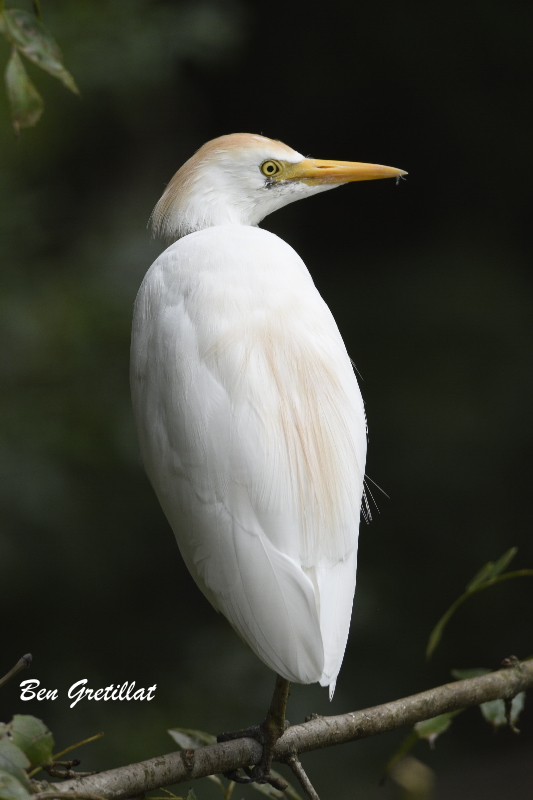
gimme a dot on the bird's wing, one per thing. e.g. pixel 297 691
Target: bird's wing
pixel 252 432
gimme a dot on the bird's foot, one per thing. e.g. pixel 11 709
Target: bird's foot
pixel 267 734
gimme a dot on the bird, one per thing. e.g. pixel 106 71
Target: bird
pixel 250 420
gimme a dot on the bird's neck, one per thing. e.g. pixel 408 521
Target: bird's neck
pixel 203 204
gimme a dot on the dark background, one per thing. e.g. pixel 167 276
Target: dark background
pixel 430 282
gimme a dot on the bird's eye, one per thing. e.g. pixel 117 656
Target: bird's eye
pixel 270 168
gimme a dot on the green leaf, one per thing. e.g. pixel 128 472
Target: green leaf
pixel 191 795
pixel 431 729
pixel 503 561
pixel 481 576
pixel 494 710
pixel 517 706
pixel 29 36
pixel 216 779
pixel 33 738
pixel 492 569
pixel 464 674
pixel 416 779
pixel 190 739
pixel 13 760
pixel 11 788
pixel 25 101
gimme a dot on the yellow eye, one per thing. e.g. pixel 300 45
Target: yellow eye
pixel 270 168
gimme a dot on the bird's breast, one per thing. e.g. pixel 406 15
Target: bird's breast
pixel 262 391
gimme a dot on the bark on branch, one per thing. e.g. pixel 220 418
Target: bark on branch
pixel 135 779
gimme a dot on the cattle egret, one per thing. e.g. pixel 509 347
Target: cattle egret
pixel 249 416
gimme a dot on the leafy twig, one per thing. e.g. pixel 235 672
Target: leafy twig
pixel 489 575
pixel 429 729
pixel 67 750
pixel 78 744
pixel 28 37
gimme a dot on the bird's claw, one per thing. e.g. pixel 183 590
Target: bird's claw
pixel 253 732
pixel 233 775
pixel 260 773
pixel 255 776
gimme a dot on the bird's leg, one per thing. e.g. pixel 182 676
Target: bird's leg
pixel 273 726
pixel 267 734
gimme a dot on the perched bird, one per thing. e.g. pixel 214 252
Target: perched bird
pixel 250 420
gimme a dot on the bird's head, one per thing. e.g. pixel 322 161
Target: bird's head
pixel 240 178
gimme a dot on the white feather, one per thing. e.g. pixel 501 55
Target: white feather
pixel 252 431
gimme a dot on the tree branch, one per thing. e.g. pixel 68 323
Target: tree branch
pixel 23 663
pixel 135 779
pixel 295 764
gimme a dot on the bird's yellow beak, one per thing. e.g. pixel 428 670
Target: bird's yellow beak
pixel 313 171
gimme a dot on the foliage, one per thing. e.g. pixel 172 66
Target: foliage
pixel 26 746
pixel 496 712
pixel 488 575
pixel 25 742
pixel 26 35
pixel 429 729
pixel 415 779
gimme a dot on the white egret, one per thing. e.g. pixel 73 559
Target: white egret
pixel 250 420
